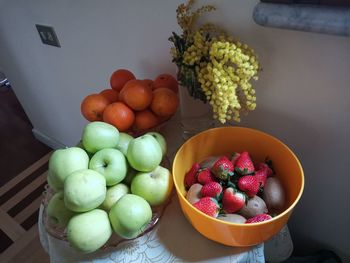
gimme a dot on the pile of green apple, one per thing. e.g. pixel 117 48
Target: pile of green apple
pixel 108 183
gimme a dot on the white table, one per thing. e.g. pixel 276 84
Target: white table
pixel 173 239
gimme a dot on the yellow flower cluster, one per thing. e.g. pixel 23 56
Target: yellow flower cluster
pixel 224 77
pixel 196 51
pixel 221 67
pixel 186 18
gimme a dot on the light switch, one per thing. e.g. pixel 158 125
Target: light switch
pixel 48 35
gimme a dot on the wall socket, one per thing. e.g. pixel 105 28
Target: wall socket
pixel 48 35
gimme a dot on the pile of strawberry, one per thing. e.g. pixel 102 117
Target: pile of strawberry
pixel 220 186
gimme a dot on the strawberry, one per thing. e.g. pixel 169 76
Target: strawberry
pixel 261 176
pixel 244 164
pixel 249 185
pixel 232 200
pixel 234 158
pixel 191 175
pixel 205 176
pixel 258 218
pixel 212 189
pixel 266 167
pixel 208 205
pixel 222 168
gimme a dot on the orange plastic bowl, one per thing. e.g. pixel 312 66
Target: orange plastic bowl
pixel 225 141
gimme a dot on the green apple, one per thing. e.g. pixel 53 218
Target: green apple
pixel 80 145
pixel 130 216
pixel 65 161
pixel 57 212
pixel 155 186
pixel 129 176
pixel 114 193
pixel 144 153
pixel 84 190
pixel 89 231
pixel 50 183
pixel 98 135
pixel 111 163
pixel 161 140
pixel 123 143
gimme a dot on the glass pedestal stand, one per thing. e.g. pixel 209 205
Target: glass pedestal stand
pixel 196 116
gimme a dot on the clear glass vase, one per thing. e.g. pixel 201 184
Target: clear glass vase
pixel 196 116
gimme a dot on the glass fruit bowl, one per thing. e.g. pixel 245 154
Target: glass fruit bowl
pixel 60 232
pixel 156 128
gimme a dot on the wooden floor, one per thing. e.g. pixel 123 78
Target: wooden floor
pixel 22 181
pixel 20 199
pixel 18 147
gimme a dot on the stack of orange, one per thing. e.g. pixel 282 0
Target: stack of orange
pixel 133 105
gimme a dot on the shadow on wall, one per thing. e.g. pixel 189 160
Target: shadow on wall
pixel 153 69
pixel 297 134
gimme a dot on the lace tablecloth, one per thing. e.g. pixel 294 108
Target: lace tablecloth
pixel 172 240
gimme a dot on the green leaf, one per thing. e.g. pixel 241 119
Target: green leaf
pixel 221 212
pixel 219 198
pixel 231 184
pixel 261 191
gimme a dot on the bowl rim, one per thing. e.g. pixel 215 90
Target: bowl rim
pixel 286 211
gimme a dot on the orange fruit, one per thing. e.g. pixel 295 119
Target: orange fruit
pixel 165 102
pixel 92 107
pixel 136 95
pixel 110 94
pixel 144 120
pixel 166 81
pixel 121 94
pixel 119 115
pixel 119 78
pixel 162 119
pixel 148 82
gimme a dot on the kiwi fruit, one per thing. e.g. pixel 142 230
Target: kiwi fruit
pixel 232 218
pixel 194 193
pixel 253 207
pixel 274 195
pixel 208 162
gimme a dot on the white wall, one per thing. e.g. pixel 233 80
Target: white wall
pixel 303 93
